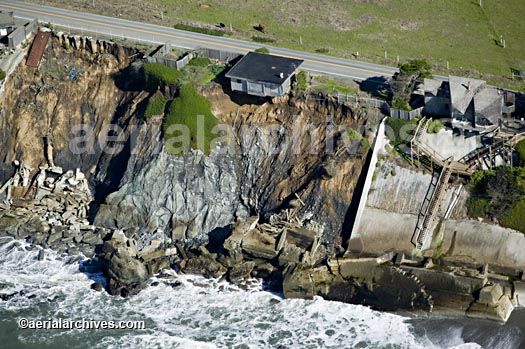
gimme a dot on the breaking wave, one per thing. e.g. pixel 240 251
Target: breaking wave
pixel 199 313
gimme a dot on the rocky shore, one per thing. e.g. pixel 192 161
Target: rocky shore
pixel 50 210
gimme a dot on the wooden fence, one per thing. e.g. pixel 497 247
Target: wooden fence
pixel 381 104
pixel 216 55
pixel 403 114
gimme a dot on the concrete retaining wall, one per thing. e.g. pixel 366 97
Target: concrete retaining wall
pixel 378 145
pixel 21 33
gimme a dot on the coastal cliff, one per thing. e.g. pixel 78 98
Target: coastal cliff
pixel 276 201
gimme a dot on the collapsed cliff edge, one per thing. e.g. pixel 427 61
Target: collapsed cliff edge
pixel 262 209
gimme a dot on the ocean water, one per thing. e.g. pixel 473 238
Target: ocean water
pixel 208 314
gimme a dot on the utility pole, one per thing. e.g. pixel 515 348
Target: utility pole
pixel 93 3
pixel 301 40
pixel 480 4
pixel 161 15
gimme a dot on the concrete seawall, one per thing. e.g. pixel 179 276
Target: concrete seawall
pixel 379 143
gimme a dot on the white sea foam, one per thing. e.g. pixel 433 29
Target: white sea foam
pixel 200 314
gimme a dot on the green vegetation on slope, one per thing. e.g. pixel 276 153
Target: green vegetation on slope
pixel 156 106
pixel 2 75
pixel 499 194
pixel 189 123
pixel 520 150
pixel 156 74
pixel 199 62
pixel 400 131
pixel 354 135
pixel 301 82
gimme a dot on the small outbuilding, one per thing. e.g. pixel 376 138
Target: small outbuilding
pixel 264 75
pixel 7 23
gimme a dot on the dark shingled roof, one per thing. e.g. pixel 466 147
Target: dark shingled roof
pixel 265 68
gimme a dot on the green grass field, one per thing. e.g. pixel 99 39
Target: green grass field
pixel 457 31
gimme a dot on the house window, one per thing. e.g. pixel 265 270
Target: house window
pixel 238 81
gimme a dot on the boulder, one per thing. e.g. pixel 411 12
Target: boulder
pixel 290 254
pixel 204 265
pixel 259 244
pixel 240 271
pixel 497 312
pixel 157 265
pixel 126 274
pixel 297 283
pixel 97 286
pixel 490 294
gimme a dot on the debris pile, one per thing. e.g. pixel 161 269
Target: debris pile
pixel 49 208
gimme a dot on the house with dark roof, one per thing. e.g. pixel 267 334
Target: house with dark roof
pixel 7 23
pixel 264 75
pixel 470 103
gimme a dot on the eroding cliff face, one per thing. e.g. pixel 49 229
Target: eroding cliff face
pixel 185 197
pixel 71 87
pixel 190 196
pixel 286 156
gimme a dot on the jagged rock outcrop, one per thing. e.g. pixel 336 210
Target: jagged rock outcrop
pixel 195 192
pixel 126 273
pixel 128 267
pixel 264 172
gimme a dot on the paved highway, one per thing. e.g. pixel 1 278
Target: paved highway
pixel 116 27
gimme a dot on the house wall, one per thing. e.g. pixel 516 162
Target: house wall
pixel 16 37
pixel 262 89
pixel 437 106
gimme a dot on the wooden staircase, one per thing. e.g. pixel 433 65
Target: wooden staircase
pixel 431 206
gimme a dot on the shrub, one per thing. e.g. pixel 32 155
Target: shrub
pixel 435 126
pixel 197 76
pixel 401 103
pixel 263 50
pixel 322 50
pixel 262 39
pixel 2 75
pixel 200 62
pixel 187 109
pixel 156 74
pixel 400 131
pixel 156 106
pixel 301 82
pixel 513 219
pixel 420 66
pixel 191 28
pixel 477 207
pixel 499 193
pixel 520 150
pixel 216 69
